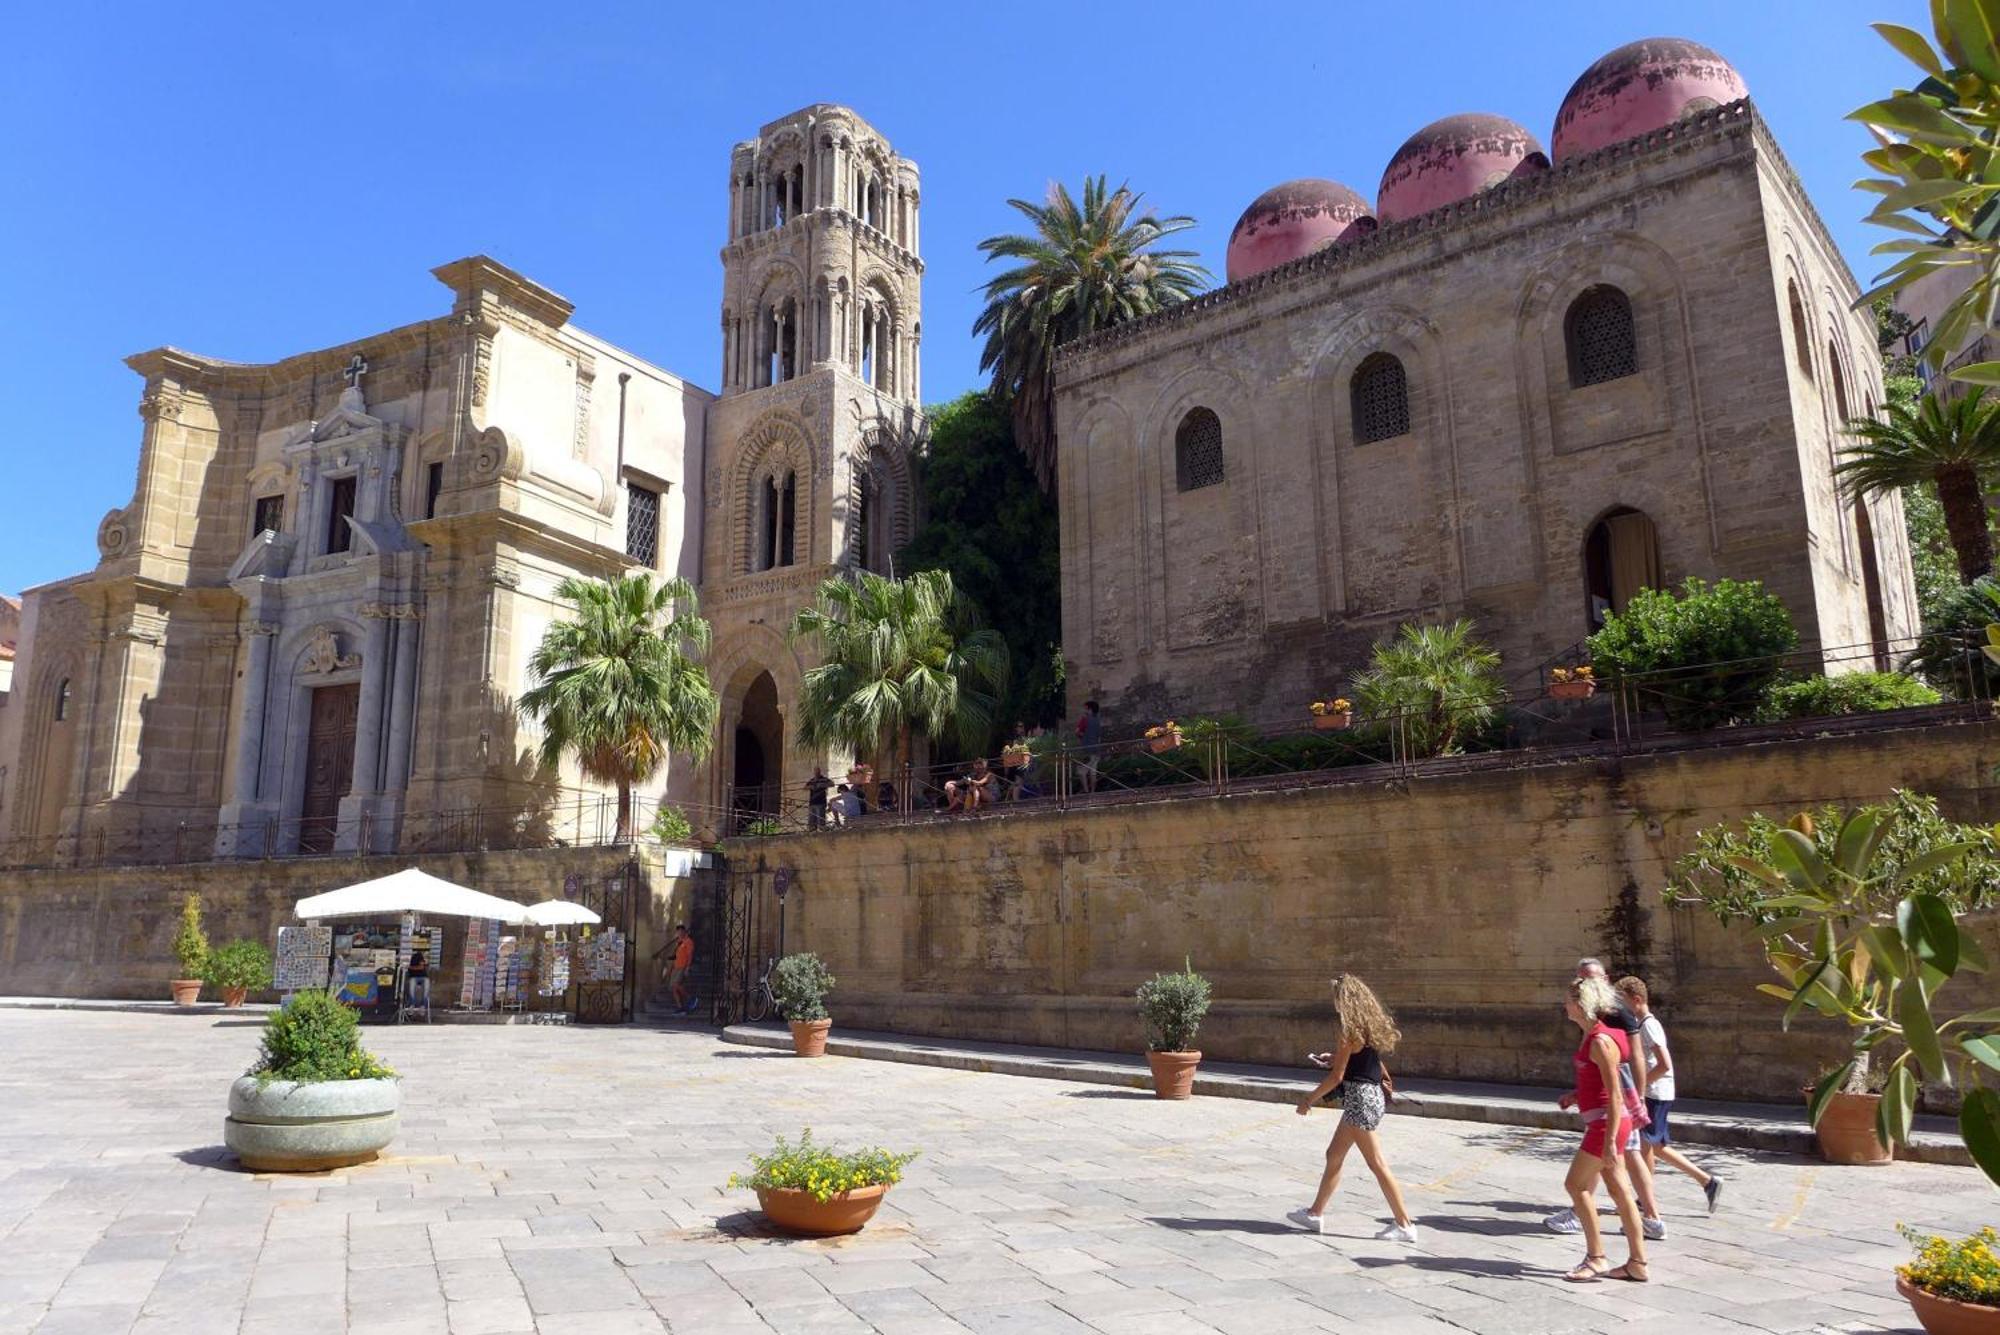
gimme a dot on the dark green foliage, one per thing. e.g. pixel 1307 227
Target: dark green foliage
pixel 239 964
pixel 1948 653
pixel 1172 1007
pixel 800 983
pixel 988 524
pixel 1848 693
pixel 1706 657
pixel 313 1037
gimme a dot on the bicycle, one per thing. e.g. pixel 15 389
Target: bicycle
pixel 763 1000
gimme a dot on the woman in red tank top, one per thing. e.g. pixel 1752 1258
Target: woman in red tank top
pixel 1599 1098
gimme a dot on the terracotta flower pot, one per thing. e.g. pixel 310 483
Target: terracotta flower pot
pixel 1166 743
pixel 1948 1316
pixel 797 1212
pixel 1572 690
pixel 234 996
pixel 1333 722
pixel 187 991
pixel 1846 1130
pixel 1173 1073
pixel 809 1039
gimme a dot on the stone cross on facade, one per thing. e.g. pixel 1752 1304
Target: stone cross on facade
pixel 356 368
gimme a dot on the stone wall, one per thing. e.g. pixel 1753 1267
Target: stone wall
pixel 108 932
pixel 1464 900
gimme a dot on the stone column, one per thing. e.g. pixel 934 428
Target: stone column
pixel 403 703
pixel 374 687
pixel 256 690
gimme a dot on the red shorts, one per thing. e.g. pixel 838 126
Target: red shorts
pixel 1593 1136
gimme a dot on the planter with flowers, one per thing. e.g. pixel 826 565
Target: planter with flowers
pixel 191 951
pixel 1172 1005
pixel 236 968
pixel 1953 1287
pixel 316 1099
pixel 1572 683
pixel 861 776
pixel 817 1192
pixel 1163 736
pixel 1335 715
pixel 800 984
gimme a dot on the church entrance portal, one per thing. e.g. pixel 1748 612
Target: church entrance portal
pixel 329 764
pixel 756 785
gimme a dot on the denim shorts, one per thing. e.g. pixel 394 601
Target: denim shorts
pixel 1657 1133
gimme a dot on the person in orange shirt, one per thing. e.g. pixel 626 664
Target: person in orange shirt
pixel 683 947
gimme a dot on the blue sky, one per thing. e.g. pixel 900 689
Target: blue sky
pixel 250 182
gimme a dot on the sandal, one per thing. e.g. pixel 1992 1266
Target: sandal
pixel 1632 1272
pixel 1589 1270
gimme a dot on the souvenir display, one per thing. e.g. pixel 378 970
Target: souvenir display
pixel 602 957
pixel 482 958
pixel 303 958
pixel 552 975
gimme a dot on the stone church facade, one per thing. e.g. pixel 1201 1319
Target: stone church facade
pixel 1513 389
pixel 308 629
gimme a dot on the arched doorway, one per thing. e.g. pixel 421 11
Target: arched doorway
pixel 756 781
pixel 1621 555
pixel 1871 585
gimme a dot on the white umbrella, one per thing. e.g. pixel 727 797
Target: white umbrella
pixel 409 891
pixel 560 913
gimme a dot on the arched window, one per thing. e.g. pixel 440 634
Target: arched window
pixel 1379 395
pixel 1621 555
pixel 767 525
pixel 62 700
pixel 1598 332
pixel 1198 450
pixel 1839 380
pixel 788 501
pixel 1801 340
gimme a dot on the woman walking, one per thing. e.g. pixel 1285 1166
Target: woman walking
pixel 1600 1099
pixel 1355 1068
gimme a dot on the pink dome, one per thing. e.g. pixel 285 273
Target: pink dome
pixel 1454 159
pixel 1294 219
pixel 1638 88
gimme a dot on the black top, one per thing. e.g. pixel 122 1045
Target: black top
pixel 1365 1066
pixel 1623 1018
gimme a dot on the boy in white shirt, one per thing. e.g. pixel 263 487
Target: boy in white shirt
pixel 1654 1140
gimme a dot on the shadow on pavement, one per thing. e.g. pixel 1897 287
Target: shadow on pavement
pixel 1185 1225
pixel 1098 1092
pixel 1458 1265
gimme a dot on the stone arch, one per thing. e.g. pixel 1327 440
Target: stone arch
pixel 881 499
pixel 1620 556
pixel 1208 542
pixel 771 446
pixel 752 651
pixel 1101 484
pixel 49 746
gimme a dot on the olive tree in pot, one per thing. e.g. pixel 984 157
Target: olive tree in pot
pixel 800 984
pixel 191 951
pixel 1172 1006
pixel 316 1099
pixel 236 968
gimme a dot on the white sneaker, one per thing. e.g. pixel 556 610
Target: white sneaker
pixel 1307 1220
pixel 1396 1232
pixel 1654 1229
pixel 1563 1221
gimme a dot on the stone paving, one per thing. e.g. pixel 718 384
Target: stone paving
pixel 570 1180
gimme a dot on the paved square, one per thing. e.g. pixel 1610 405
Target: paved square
pixel 569 1180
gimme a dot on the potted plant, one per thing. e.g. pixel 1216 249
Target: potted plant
pixel 191 950
pixel 1172 1006
pixel 818 1192
pixel 238 967
pixel 861 774
pixel 1163 736
pixel 1333 715
pixel 800 984
pixel 671 826
pixel 1572 683
pixel 1847 1131
pixel 316 1099
pixel 1953 1287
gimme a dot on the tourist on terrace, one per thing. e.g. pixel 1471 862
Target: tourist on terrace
pixel 1620 1017
pixel 1014 763
pixel 839 808
pixel 1355 1069
pixel 1090 736
pixel 816 791
pixel 1599 1097
pixel 980 785
pixel 1660 1079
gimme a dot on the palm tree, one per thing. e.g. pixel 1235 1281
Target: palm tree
pixel 1439 681
pixel 1954 444
pixel 623 683
pixel 1080 270
pixel 898 656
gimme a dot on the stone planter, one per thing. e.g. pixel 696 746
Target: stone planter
pixel 1846 1130
pixel 1333 722
pixel 1572 690
pixel 233 997
pixel 187 991
pixel 1948 1316
pixel 795 1211
pixel 287 1127
pixel 809 1038
pixel 1173 1073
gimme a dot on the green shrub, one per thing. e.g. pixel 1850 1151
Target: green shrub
pixel 191 942
pixel 313 1037
pixel 1706 657
pixel 671 826
pixel 823 1172
pixel 239 964
pixel 1435 687
pixel 1948 654
pixel 1848 693
pixel 1172 1005
pixel 800 983
pixel 764 825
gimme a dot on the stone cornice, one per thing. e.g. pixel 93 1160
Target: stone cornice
pixel 209 374
pixel 1481 212
pixel 479 275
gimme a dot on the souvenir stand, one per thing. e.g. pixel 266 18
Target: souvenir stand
pixel 582 960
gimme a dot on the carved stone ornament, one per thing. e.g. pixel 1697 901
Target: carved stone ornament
pixel 112 535
pixel 494 455
pixel 323 654
pixel 390 611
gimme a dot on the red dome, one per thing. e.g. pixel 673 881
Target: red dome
pixel 1454 159
pixel 1294 219
pixel 1638 88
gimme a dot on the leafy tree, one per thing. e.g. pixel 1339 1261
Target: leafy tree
pixel 1706 657
pixel 898 656
pixel 1951 444
pixel 1440 682
pixel 1948 652
pixel 994 531
pixel 1081 269
pixel 623 684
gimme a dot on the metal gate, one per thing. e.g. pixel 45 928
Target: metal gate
pixel 615 899
pixel 726 932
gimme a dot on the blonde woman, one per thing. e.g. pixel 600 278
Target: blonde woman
pixel 1355 1068
pixel 1600 1099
